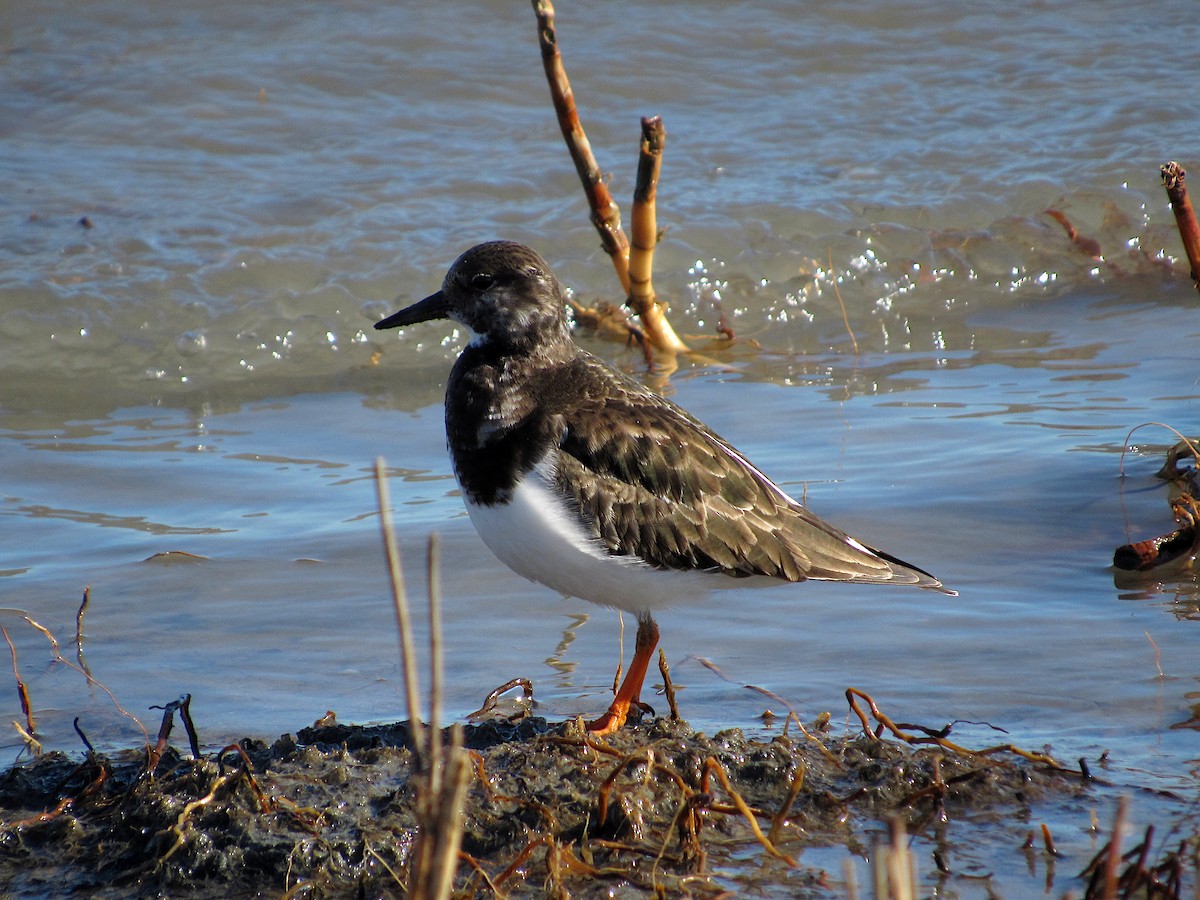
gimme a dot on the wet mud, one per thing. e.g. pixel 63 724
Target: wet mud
pixel 329 812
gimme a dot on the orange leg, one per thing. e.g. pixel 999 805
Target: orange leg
pixel 631 687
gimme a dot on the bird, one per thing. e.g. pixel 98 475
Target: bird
pixel 583 479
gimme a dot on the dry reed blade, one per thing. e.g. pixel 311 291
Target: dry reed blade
pixel 441 773
pixel 400 600
pixel 440 818
pixel 435 667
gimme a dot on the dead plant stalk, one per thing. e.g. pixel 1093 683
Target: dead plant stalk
pixel 442 772
pixel 644 225
pixel 1185 217
pixel 606 216
pixel 632 265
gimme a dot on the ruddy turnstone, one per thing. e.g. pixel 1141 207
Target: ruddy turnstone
pixel 582 479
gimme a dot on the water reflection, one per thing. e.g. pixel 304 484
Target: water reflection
pixel 105 520
pixel 557 661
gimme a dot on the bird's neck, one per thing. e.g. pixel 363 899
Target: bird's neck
pixel 549 342
pixel 498 425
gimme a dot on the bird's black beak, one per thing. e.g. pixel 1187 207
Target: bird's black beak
pixel 435 306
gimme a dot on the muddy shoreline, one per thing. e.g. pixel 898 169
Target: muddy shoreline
pixel 329 812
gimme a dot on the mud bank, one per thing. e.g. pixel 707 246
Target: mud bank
pixel 329 812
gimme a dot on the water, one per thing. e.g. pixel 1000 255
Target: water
pixel 194 369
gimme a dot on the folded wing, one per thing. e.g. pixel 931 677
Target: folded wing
pixel 655 483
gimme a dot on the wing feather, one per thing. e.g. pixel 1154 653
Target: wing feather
pixel 655 483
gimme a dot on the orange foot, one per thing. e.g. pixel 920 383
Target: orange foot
pixel 631 687
pixel 611 721
pixel 614 719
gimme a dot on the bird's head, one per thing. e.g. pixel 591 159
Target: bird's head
pixel 504 292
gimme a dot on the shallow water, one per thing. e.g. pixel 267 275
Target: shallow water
pixel 194 369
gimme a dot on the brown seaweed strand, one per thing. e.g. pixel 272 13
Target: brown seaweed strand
pixel 58 657
pixel 606 216
pixel 644 228
pixel 22 689
pixel 1185 217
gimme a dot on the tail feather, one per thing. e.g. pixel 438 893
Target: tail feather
pixel 909 574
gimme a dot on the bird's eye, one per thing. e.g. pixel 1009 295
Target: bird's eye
pixel 482 281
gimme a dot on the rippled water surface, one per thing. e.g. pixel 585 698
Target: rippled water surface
pixel 209 204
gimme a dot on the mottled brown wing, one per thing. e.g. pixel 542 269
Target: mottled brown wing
pixel 656 484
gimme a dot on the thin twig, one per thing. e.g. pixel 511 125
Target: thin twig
pixel 794 716
pixel 441 774
pixel 184 823
pixel 1048 840
pixel 491 702
pixel 34 745
pixel 934 737
pixel 447 825
pixel 1085 245
pixel 265 805
pixel 620 651
pixel 442 789
pixel 850 877
pixel 183 706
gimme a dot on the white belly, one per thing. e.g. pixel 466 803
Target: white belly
pixel 537 536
